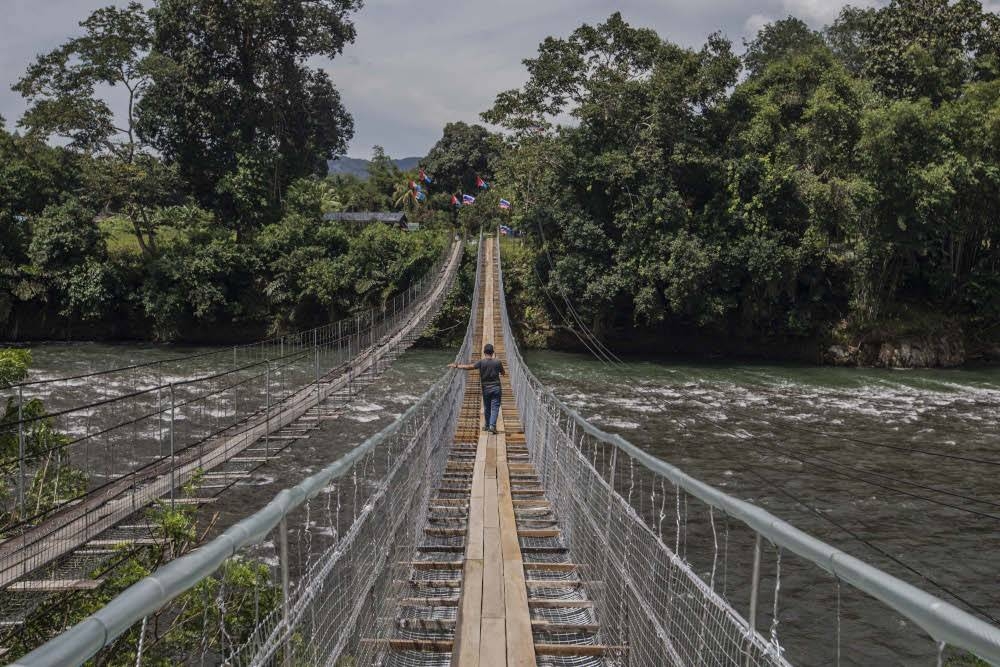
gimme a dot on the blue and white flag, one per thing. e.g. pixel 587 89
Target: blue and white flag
pixel 504 204
pixel 468 199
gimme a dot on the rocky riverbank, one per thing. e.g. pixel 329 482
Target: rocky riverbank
pixel 884 349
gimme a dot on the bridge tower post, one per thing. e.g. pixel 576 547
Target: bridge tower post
pixel 283 553
pixel 316 361
pixel 754 589
pixel 173 461
pixel 20 452
pixel 267 409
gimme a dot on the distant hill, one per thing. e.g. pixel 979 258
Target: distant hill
pixel 359 167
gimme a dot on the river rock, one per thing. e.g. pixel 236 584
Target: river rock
pixel 940 350
pixel 925 352
pixel 838 355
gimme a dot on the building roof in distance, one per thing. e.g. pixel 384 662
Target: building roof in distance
pixel 368 216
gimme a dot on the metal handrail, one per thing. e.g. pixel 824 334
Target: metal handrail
pixel 942 620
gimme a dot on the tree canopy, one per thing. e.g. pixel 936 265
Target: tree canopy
pixel 196 209
pixel 824 179
pixel 824 184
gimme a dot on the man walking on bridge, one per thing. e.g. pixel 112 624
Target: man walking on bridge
pixel 490 370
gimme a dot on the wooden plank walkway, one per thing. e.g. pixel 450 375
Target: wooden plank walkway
pixel 494 624
pixel 491 584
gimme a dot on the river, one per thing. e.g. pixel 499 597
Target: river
pixel 839 440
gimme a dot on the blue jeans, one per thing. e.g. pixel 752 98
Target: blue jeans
pixel 491 404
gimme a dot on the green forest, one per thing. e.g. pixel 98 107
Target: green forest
pixel 835 190
pixel 828 195
pixel 195 215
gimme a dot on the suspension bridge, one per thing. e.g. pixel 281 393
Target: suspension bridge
pixel 223 416
pixel 547 543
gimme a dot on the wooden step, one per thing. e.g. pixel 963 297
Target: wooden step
pixel 431 602
pixel 577 649
pixel 435 564
pixel 564 628
pixel 560 604
pixel 552 567
pixel 51 585
pixel 421 645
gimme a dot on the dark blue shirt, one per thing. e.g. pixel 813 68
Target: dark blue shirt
pixel 490 371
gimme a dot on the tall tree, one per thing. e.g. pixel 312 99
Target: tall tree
pixel 62 89
pixel 462 152
pixel 234 100
pixel 611 193
pixel 778 40
pixel 921 48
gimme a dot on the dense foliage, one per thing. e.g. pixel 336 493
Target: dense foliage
pixel 824 184
pixel 196 212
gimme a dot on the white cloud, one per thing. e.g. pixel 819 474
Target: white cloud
pixel 754 23
pixel 819 13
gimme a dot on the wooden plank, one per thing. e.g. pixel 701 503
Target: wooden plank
pixel 429 602
pixel 494 644
pixel 422 645
pixel 539 532
pixel 520 640
pixel 559 583
pixel 435 564
pixel 449 502
pixel 433 624
pixel 56 585
pixel 508 522
pixel 444 532
pixel 531 502
pixel 493 595
pixel 494 605
pixel 553 628
pixel 578 649
pixel 560 604
pixel 491 507
pixel 468 633
pixel 552 567
pixel 433 583
pixel 491 461
pixel 474 537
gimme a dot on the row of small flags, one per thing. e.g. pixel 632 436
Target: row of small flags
pixel 418 193
pixel 469 200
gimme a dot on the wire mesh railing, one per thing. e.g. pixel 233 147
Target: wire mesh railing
pixel 68 474
pixel 676 562
pixel 309 579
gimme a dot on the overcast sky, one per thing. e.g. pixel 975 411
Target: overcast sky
pixel 417 65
